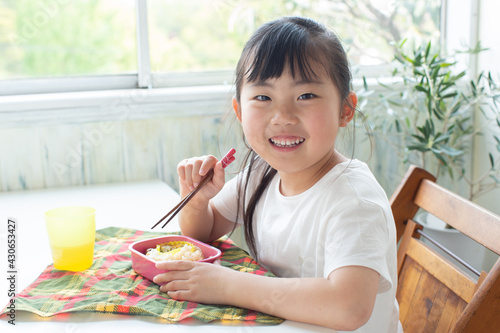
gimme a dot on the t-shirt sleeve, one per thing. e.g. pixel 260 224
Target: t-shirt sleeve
pixel 226 201
pixel 358 235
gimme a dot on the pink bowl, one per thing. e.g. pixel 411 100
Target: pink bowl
pixel 146 267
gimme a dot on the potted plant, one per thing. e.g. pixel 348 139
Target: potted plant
pixel 431 114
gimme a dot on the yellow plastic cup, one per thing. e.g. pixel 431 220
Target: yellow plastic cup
pixel 71 232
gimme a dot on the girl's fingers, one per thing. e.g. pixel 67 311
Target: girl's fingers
pixel 207 164
pixel 174 270
pixel 219 175
pixel 191 171
pixel 194 281
pixel 188 171
pixel 188 175
pixel 193 176
pixel 178 295
pixel 175 265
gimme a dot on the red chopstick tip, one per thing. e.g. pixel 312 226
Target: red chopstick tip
pixel 228 158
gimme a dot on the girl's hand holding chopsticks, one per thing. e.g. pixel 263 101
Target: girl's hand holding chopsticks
pixel 193 176
pixel 191 172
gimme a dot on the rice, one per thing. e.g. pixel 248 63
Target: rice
pixel 175 251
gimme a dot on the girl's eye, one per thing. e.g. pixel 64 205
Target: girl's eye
pixel 262 98
pixel 306 96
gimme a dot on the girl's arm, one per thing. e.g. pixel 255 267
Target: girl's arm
pixel 198 219
pixel 344 301
pixel 206 224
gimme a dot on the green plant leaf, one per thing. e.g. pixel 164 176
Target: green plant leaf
pixel 440 158
pixel 408 59
pixel 428 49
pixel 451 151
pixel 440 138
pixel 420 138
pixel 385 86
pixel 435 108
pixel 422 89
pixel 446 64
pixel 400 59
pixel 450 172
pixel 396 124
pixel 429 125
pixel 417 72
pixel 460 75
pixel 453 94
pixel 422 149
pixel 395 103
pixel 435 62
pixel 495 179
pixel 365 85
pixel 429 107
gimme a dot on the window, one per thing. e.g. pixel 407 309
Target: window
pixel 194 42
pixel 54 38
pixel 199 35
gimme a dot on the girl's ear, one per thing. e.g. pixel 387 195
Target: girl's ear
pixel 348 109
pixel 237 109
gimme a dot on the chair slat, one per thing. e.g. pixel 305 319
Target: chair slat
pixel 443 270
pixel 423 299
pixel 410 276
pixel 460 213
pixel 409 232
pixel 426 304
pixel 453 307
pixel 434 295
pixel 437 316
pixel 483 312
pixel 403 207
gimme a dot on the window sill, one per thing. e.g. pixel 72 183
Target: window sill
pixel 124 104
pixel 112 105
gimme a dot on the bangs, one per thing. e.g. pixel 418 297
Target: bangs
pixel 287 45
pixel 305 47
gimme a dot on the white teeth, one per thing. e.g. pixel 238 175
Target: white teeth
pixel 287 143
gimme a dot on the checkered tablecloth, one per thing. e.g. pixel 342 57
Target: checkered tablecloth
pixel 111 286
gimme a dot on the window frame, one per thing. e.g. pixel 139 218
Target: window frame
pixel 146 79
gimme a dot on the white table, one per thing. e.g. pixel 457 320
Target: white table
pixel 136 205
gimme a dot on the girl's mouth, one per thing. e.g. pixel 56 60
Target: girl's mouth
pixel 286 143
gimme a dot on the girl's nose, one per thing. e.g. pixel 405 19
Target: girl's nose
pixel 284 115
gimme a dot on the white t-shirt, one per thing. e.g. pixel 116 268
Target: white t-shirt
pixel 343 220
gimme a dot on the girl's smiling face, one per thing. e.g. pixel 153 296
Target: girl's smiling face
pixel 292 123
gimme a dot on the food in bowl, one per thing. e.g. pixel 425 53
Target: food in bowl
pixel 145 265
pixel 177 250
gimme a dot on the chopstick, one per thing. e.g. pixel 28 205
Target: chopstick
pixel 226 160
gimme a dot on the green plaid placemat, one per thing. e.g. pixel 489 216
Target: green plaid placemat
pixel 110 285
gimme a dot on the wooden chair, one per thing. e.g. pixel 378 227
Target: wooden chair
pixel 434 294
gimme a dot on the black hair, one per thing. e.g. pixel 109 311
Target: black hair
pixel 298 43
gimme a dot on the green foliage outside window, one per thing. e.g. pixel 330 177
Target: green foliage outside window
pixel 41 38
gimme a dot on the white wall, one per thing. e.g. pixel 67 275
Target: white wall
pixel 488 28
pixel 103 137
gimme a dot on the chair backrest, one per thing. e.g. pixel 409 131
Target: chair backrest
pixel 434 294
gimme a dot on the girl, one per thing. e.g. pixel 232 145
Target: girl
pixel 316 219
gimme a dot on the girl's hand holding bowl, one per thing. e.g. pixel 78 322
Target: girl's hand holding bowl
pixel 193 281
